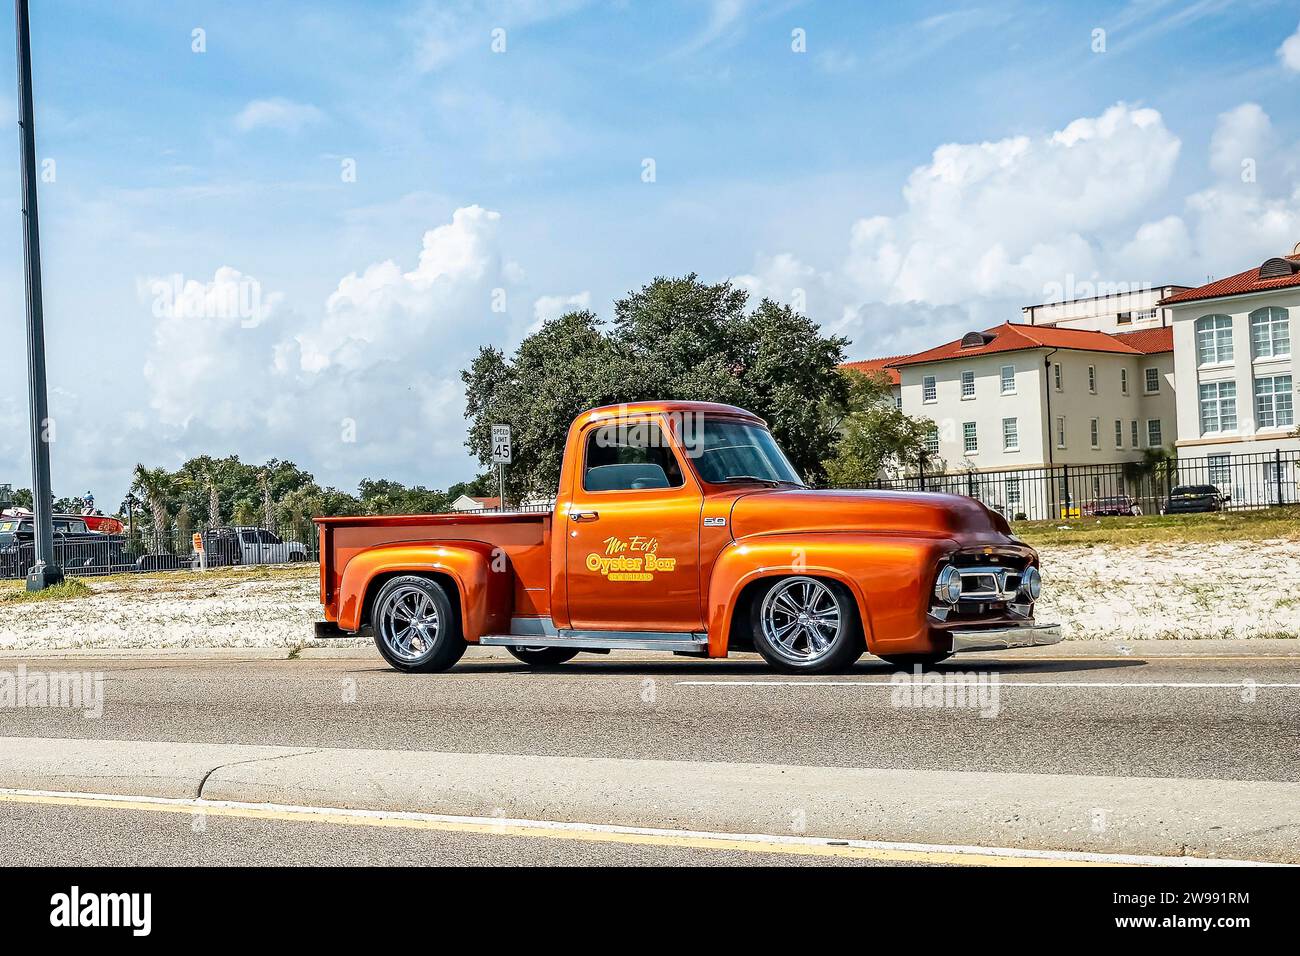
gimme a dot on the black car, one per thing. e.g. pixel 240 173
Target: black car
pixel 1194 499
pixel 76 549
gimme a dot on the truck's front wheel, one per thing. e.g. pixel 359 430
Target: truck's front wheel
pixel 806 625
pixel 415 626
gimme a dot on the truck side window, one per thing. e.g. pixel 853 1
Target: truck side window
pixel 629 457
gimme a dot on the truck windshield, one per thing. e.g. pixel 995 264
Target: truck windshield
pixel 731 451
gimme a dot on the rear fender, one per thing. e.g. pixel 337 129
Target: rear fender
pixel 480 572
pixel 889 576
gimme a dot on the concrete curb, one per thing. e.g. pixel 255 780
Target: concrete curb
pixel 1156 816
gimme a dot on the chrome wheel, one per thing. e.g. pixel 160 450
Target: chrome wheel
pixel 801 620
pixel 408 623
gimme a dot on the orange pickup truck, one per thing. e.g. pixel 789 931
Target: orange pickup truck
pixel 682 527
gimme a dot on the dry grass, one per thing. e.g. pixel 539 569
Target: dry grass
pixel 1266 524
pixel 15 592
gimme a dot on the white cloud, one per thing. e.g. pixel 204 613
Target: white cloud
pixel 385 353
pixel 989 227
pixel 1246 215
pixel 549 307
pixel 277 113
pixel 1243 133
pixel 191 367
pixel 1289 51
pixel 1002 218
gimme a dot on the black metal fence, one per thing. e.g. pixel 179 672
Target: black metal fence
pixel 1065 491
pixel 1243 482
pixel 143 549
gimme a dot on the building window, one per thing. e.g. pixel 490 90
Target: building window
pixel 968 384
pixel 1143 315
pixel 1060 432
pixel 1270 333
pixel 1092 379
pixel 1213 339
pixel 1123 381
pixel 970 443
pixel 1218 407
pixel 898 399
pixel 1010 434
pixel 1124 318
pixel 932 439
pixel 1008 380
pixel 1119 433
pixel 1133 433
pixel 1152 380
pixel 929 390
pixel 1220 468
pixel 1013 491
pixel 1154 438
pixel 1273 403
pixel 1094 432
pixel 1057 376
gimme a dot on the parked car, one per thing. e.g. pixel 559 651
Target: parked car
pixel 71 522
pixel 1193 499
pixel 1112 507
pixel 694 540
pixel 76 549
pixel 246 545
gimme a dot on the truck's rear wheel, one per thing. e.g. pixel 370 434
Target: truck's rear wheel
pixel 415 626
pixel 806 625
pixel 542 656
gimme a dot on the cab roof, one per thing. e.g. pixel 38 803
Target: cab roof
pixel 665 407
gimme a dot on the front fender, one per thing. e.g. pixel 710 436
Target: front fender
pixel 890 577
pixel 484 589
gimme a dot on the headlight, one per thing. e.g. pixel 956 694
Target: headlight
pixel 948 587
pixel 1031 583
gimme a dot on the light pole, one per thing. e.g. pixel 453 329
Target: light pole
pixel 45 571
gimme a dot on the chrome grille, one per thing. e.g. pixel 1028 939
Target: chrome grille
pixel 989 584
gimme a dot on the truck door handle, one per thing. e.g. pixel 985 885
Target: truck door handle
pixel 584 515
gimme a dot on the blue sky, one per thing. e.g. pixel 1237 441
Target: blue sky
pixel 913 172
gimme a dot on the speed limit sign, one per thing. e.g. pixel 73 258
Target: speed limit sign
pixel 501 444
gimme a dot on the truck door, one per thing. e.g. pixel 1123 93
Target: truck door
pixel 633 533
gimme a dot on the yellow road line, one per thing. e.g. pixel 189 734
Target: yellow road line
pixel 572 832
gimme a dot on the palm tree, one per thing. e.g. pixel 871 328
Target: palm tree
pixel 155 486
pixel 268 503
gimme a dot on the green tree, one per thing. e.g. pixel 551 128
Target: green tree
pixel 672 339
pixel 392 497
pixel 876 437
pixel 156 486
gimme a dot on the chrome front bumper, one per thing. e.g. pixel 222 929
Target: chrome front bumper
pixel 999 639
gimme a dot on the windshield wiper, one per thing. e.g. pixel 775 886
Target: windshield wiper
pixel 773 482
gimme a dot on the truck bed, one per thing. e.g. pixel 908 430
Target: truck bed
pixel 525 537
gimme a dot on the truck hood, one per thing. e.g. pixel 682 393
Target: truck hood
pixel 918 512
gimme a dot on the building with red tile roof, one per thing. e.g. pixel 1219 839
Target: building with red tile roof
pixel 1233 346
pixel 1019 396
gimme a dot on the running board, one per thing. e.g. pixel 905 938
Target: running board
pixel 606 640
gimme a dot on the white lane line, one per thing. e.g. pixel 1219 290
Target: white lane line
pixel 600 832
pixel 992 679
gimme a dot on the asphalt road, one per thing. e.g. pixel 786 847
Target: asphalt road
pixel 65 836
pixel 1121 716
pixel 1224 714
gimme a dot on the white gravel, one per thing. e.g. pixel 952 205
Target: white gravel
pixel 1239 589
